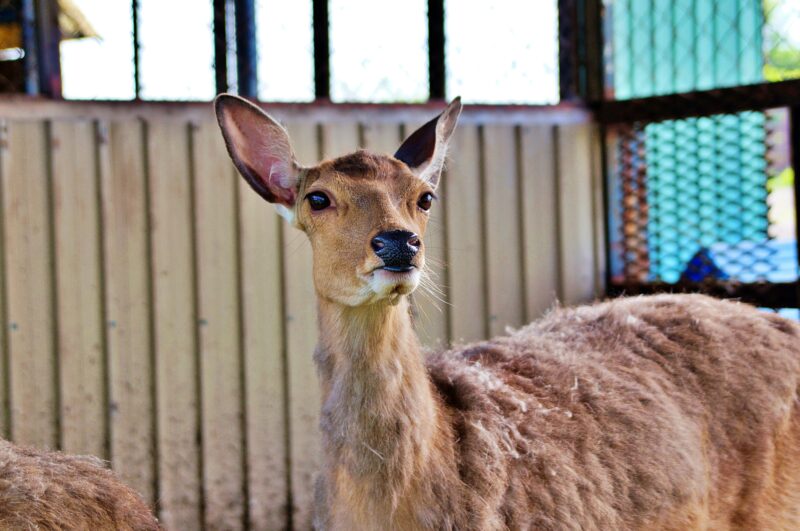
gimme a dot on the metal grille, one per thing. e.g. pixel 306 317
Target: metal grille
pixel 705 199
pixel 666 47
pixel 690 185
pixel 702 193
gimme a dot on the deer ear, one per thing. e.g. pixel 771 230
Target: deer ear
pixel 260 149
pixel 424 151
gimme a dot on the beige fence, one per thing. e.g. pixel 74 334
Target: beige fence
pixel 159 315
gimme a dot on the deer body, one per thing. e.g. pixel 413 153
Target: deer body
pixel 667 412
pixel 51 490
pixel 652 413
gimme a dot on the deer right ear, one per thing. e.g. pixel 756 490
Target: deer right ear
pixel 425 150
pixel 260 149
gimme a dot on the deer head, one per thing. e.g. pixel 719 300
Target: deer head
pixel 365 214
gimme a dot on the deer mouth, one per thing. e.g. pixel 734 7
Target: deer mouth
pixel 398 269
pixel 394 280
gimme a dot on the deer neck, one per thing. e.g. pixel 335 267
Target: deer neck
pixel 379 416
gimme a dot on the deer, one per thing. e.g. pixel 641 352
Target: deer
pixel 665 412
pixel 41 489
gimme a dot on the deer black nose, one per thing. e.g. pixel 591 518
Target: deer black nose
pixel 396 248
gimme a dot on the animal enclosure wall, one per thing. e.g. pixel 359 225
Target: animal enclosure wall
pixel 159 315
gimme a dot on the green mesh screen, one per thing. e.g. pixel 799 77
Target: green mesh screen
pixel 702 198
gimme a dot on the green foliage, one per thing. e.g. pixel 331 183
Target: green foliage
pixel 781 61
pixel 784 179
pixel 782 64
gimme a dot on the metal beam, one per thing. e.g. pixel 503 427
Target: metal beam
pixel 436 52
pixel 41 36
pixel 591 51
pixel 769 295
pixel 322 76
pixel 30 44
pixel 246 49
pixel 137 77
pixel 48 35
pixel 221 45
pixel 700 103
pixel 794 146
pixel 567 45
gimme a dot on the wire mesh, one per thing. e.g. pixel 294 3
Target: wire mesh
pixel 696 200
pixel 706 199
pixel 664 47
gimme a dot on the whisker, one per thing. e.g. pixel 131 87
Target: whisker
pixel 433 290
pixel 436 297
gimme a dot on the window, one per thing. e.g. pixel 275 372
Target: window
pixel 498 51
pixel 379 51
pixel 286 50
pixel 177 50
pixel 503 51
pixel 100 67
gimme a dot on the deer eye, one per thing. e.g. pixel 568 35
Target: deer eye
pixel 318 201
pixel 425 201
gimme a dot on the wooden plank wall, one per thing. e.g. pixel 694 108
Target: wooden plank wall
pixel 158 314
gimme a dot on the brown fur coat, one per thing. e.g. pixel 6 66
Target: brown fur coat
pixel 667 412
pixel 51 490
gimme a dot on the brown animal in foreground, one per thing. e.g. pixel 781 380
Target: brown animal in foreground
pixel 666 412
pixel 51 490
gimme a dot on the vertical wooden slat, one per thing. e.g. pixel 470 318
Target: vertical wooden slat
pixel 382 137
pixel 301 339
pixel 598 211
pixel 430 299
pixel 32 367
pixel 430 307
pixel 174 316
pixel 127 303
pixel 4 382
pixel 218 321
pixel 503 239
pixel 465 237
pixel 576 218
pixel 339 139
pixel 78 294
pixel 539 218
pixel 242 366
pixel 263 343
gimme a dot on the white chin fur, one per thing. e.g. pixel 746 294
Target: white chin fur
pixel 386 284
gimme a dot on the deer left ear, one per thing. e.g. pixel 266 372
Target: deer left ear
pixel 260 148
pixel 424 151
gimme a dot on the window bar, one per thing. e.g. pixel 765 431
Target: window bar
pixel 794 146
pixel 322 76
pixel 580 45
pixel 41 38
pixel 567 49
pixel 246 51
pixel 137 77
pixel 220 45
pixel 29 44
pixel 49 36
pixel 593 50
pixel 579 54
pixel 436 51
